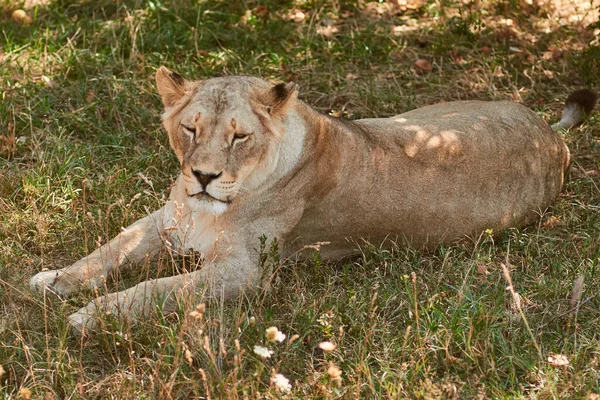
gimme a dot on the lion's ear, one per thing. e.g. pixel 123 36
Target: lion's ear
pixel 171 86
pixel 280 98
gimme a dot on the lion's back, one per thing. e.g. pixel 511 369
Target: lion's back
pixel 439 173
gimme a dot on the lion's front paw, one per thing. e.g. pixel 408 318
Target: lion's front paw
pixel 88 319
pixel 85 320
pixel 55 282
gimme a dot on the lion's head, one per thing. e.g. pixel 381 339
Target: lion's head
pixel 226 133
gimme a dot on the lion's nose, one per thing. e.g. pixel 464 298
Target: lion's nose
pixel 205 178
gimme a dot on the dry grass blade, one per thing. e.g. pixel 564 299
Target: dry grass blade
pixel 517 303
pixel 576 293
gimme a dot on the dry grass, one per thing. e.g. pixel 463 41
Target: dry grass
pixel 82 154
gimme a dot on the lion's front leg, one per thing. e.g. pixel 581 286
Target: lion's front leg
pixel 138 241
pixel 226 278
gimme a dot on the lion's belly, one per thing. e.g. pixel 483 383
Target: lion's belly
pixel 438 174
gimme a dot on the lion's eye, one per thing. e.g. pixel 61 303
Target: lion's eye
pixel 188 130
pixel 239 137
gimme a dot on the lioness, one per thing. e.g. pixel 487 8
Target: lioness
pixel 257 161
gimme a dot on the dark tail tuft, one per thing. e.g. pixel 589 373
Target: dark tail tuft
pixel 578 106
pixel 584 98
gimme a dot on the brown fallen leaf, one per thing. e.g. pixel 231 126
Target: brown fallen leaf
pixel 547 55
pixel 260 11
pixel 376 9
pixel 90 96
pixel 576 292
pixel 327 31
pixel 423 65
pixel 405 5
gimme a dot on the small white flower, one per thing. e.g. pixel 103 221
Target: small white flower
pixel 327 347
pixel 275 335
pixel 263 351
pixel 282 383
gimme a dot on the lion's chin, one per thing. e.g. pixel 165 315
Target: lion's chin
pixel 208 207
pixel 206 203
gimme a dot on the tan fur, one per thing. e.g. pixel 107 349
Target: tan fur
pixel 425 177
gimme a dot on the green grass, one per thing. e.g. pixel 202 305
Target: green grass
pixel 80 127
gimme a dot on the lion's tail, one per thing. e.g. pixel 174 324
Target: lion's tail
pixel 579 104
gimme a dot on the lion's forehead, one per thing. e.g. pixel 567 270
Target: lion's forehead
pixel 220 98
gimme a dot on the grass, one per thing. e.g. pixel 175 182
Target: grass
pixel 82 153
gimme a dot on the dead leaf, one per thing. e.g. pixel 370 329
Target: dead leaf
pixel 296 16
pixel 7 144
pixel 552 222
pixel 260 11
pixel 400 30
pixel 90 96
pixel 25 394
pixel 498 72
pixel 576 292
pixel 327 31
pixel 558 360
pixel 482 269
pixel 557 54
pixel 376 9
pixel 405 5
pixel 547 55
pixel 48 82
pixel 423 65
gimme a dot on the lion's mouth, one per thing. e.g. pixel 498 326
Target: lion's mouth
pixel 208 198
